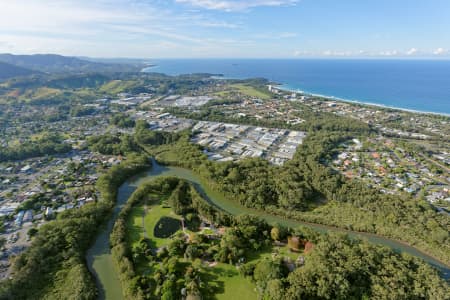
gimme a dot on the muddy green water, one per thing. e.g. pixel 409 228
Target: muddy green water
pixel 99 256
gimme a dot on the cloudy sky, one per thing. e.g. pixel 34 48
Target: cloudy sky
pixel 227 28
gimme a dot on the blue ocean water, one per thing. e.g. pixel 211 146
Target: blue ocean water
pixel 422 85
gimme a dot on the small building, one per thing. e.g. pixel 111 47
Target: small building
pixel 28 216
pixel 26 169
pixel 19 218
pixel 48 211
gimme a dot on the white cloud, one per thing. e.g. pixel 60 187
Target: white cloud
pixel 95 28
pixel 338 53
pixel 305 53
pixel 389 53
pixel 440 51
pixel 218 24
pixel 236 5
pixel 275 35
pixel 412 51
pixel 155 31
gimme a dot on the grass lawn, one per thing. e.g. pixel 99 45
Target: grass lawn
pixel 134 226
pixel 168 156
pixel 229 284
pixel 154 214
pixel 222 94
pixel 135 230
pixel 283 251
pixel 251 91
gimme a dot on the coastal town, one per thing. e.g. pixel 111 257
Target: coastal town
pixel 224 150
pixel 35 190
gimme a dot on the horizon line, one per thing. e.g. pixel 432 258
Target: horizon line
pixel 255 58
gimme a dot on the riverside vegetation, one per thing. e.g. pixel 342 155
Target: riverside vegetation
pixel 333 266
pixel 57 253
pixel 308 190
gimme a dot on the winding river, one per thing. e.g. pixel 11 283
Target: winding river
pixel 99 256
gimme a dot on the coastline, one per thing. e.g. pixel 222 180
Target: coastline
pixel 286 88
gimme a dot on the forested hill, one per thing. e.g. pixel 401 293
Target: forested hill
pixel 9 71
pixel 52 63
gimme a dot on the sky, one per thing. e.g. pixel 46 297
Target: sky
pixel 227 28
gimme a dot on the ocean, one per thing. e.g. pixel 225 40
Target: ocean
pixel 421 85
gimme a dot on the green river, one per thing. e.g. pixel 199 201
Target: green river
pixel 99 256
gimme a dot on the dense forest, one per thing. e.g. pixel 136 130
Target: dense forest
pixel 110 144
pixel 338 267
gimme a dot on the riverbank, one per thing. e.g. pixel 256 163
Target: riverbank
pixel 305 218
pixel 372 237
pixel 100 256
pixel 114 192
pixel 155 190
pixel 234 208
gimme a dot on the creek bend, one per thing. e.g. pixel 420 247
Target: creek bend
pixel 99 255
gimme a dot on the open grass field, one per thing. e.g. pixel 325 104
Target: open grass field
pixel 229 284
pixel 223 94
pixel 153 216
pixel 41 93
pixel 117 86
pixel 243 89
pixel 138 225
pixel 168 156
pixel 134 226
pixel 251 91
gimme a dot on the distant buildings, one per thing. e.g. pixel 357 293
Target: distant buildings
pixel 232 141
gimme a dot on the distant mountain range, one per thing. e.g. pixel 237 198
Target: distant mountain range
pixel 52 63
pixel 8 71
